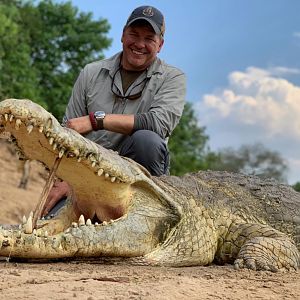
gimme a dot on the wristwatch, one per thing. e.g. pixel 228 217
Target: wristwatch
pixel 96 119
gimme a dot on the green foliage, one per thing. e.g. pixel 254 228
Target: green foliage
pixel 44 49
pixel 296 186
pixel 188 145
pixel 252 160
pixel 189 152
pixel 17 78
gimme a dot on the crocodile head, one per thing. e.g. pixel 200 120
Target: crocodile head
pixel 116 191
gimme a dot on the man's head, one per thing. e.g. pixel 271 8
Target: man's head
pixel 142 37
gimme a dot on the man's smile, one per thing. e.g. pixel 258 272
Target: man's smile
pixel 137 52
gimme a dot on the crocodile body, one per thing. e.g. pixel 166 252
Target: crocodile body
pixel 196 219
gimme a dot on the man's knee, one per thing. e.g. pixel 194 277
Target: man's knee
pixel 146 139
pixel 148 149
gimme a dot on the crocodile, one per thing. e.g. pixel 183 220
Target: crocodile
pixel 117 210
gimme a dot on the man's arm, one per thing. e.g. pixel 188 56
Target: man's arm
pixel 112 122
pixel 166 106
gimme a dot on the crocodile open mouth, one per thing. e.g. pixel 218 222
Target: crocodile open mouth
pixel 99 209
pixel 100 179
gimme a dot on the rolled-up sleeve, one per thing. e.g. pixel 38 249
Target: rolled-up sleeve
pixel 167 106
pixel 77 102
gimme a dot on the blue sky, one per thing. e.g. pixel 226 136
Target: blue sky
pixel 242 62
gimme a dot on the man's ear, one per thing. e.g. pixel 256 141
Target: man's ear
pixel 122 37
pixel 160 44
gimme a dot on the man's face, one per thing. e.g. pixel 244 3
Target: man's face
pixel 140 46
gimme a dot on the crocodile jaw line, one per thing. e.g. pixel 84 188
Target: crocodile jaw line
pixel 101 177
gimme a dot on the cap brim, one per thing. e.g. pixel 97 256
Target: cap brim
pixel 153 25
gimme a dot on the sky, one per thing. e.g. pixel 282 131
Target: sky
pixel 242 63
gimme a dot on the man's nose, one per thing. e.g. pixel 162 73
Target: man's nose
pixel 139 43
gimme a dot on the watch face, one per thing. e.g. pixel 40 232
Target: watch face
pixel 99 114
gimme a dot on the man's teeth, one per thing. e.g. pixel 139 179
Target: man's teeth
pixel 137 52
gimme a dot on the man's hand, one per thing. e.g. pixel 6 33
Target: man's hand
pixel 82 124
pixel 59 190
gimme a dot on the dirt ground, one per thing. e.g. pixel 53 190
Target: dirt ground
pixel 100 280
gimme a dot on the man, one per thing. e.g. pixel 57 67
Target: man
pixel 130 102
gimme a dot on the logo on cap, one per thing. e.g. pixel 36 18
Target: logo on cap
pixel 148 12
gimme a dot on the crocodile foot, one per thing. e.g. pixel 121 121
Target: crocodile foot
pixel 268 254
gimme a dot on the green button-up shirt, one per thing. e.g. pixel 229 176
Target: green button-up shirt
pixel 158 109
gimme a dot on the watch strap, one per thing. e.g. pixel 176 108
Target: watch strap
pixel 93 121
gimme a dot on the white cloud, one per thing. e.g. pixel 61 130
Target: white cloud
pixel 255 97
pixel 282 71
pixel 256 106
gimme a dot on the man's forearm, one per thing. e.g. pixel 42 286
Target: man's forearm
pixel 119 123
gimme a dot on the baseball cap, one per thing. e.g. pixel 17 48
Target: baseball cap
pixel 150 14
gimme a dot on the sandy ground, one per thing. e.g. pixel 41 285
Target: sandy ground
pixel 100 280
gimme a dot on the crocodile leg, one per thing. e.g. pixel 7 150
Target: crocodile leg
pixel 259 247
pixel 192 242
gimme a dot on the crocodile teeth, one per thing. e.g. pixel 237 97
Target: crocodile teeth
pixel 11 117
pixel 51 140
pixel 28 225
pixel 100 172
pixel 61 153
pixel 74 225
pixel 6 117
pixel 29 128
pixel 18 234
pixel 49 123
pixel 113 179
pixel 18 124
pixel 54 146
pixel 41 128
pixel 93 164
pixel 24 220
pixel 76 152
pixel 88 222
pixel 79 159
pixel 34 231
pixel 31 214
pixel 106 175
pixel 46 234
pixel 81 220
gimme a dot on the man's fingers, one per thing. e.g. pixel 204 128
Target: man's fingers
pixel 59 190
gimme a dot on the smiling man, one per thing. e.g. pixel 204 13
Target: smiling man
pixel 130 102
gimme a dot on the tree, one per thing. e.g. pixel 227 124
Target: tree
pixel 188 145
pixel 252 160
pixel 17 78
pixel 51 43
pixel 296 186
